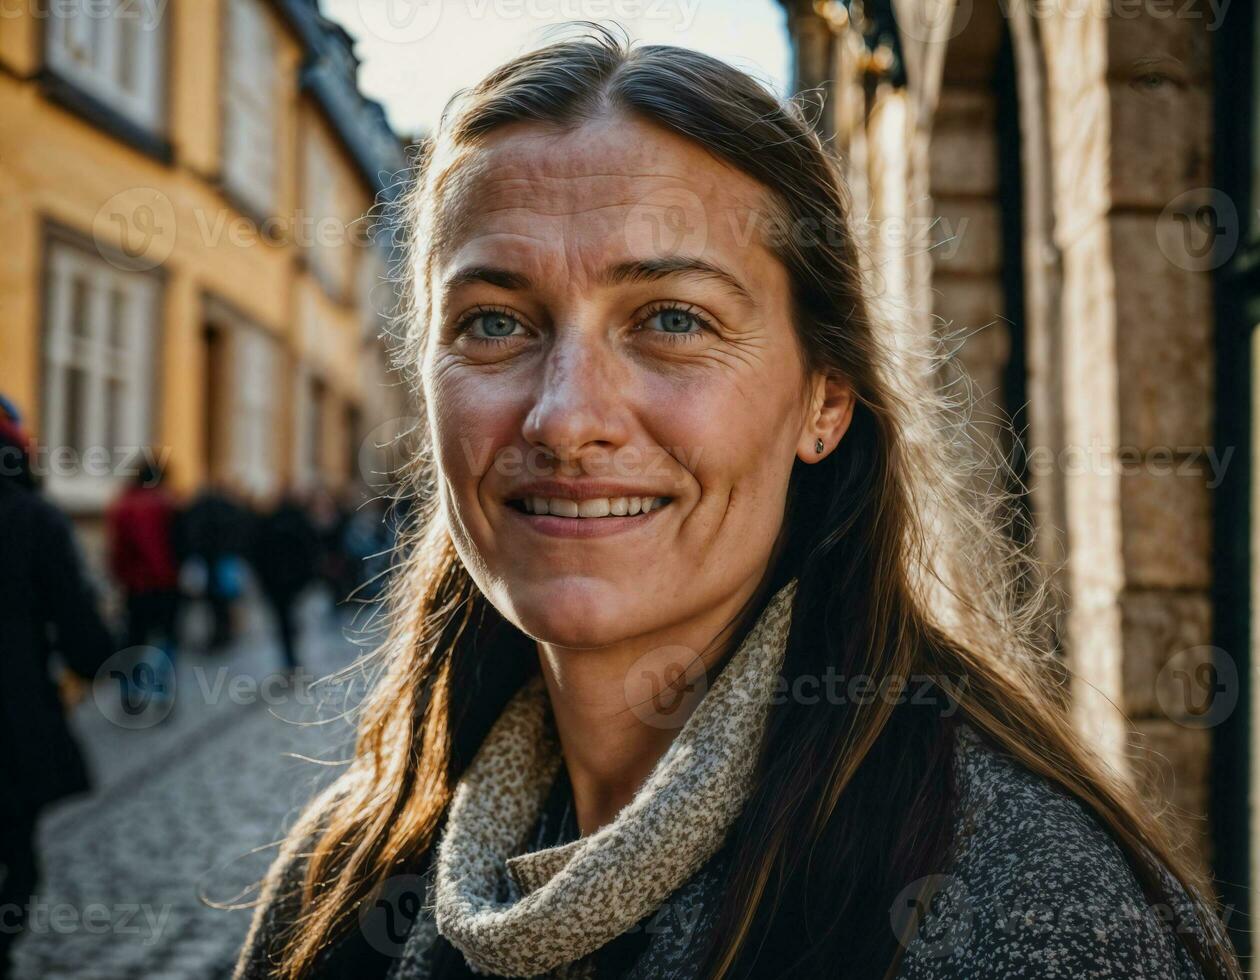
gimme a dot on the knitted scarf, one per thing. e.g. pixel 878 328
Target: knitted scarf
pixel 525 914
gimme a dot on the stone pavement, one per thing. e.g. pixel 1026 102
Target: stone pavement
pixel 179 809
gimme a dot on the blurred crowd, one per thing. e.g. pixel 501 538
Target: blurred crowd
pixel 164 554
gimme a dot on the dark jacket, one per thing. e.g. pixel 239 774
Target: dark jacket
pixel 46 605
pixel 285 551
pixel 212 526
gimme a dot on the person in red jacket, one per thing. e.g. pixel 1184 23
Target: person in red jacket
pixel 140 525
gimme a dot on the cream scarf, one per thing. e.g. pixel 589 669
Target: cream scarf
pixel 565 902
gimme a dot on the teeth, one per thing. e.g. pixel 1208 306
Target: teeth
pixel 562 507
pixel 594 507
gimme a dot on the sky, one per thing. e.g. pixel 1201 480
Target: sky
pixel 416 53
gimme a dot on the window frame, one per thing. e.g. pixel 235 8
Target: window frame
pixel 254 452
pixel 237 174
pixel 143 108
pixel 68 259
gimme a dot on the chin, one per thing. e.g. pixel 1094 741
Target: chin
pixel 574 611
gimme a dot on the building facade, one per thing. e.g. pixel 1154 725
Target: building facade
pixel 1039 195
pixel 189 269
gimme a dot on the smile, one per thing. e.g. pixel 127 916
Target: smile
pixel 596 517
pixel 594 507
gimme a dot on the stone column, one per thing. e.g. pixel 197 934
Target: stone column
pixel 1130 117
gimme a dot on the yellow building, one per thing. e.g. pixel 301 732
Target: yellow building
pixel 187 271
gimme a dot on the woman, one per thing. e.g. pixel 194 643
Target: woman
pixel 705 662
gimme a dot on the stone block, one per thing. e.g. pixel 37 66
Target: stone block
pixel 1164 346
pixel 968 304
pixel 1161 140
pixel 966 236
pixel 1169 37
pixel 963 160
pixel 1166 523
pixel 1158 626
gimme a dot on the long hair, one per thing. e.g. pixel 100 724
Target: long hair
pixel 905 572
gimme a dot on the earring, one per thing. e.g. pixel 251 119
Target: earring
pixel 818 446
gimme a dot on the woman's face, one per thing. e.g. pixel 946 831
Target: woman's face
pixel 614 388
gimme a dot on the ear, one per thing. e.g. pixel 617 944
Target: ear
pixel 831 411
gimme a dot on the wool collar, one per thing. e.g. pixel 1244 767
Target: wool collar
pixel 525 914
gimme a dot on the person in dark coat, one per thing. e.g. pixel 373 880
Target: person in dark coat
pixel 285 553
pixel 47 607
pixel 329 516
pixel 212 530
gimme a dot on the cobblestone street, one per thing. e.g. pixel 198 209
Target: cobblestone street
pixel 179 808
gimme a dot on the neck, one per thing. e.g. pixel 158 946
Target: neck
pixel 618 707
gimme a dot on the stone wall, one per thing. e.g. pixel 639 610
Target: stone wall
pixel 1114 116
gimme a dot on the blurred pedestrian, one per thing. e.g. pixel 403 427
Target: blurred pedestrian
pixel 140 527
pixel 285 554
pixel 329 516
pixel 212 535
pixel 47 609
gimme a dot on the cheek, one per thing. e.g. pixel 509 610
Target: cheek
pixel 728 437
pixel 471 415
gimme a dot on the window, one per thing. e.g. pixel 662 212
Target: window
pixel 112 50
pixel 249 112
pixel 375 293
pixel 309 445
pixel 254 422
pixel 325 230
pixel 240 406
pixel 98 346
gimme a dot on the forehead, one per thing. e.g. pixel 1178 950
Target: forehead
pixel 613 189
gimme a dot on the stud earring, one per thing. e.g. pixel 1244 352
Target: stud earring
pixel 818 446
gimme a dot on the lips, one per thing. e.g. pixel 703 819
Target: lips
pixel 588 507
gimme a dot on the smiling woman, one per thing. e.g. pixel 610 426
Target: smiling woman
pixel 706 661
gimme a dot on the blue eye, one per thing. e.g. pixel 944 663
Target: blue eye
pixel 494 325
pixel 675 320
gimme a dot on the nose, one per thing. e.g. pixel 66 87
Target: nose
pixel 580 406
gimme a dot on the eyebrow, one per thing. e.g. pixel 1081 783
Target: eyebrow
pixel 651 270
pixel 503 278
pixel 636 270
